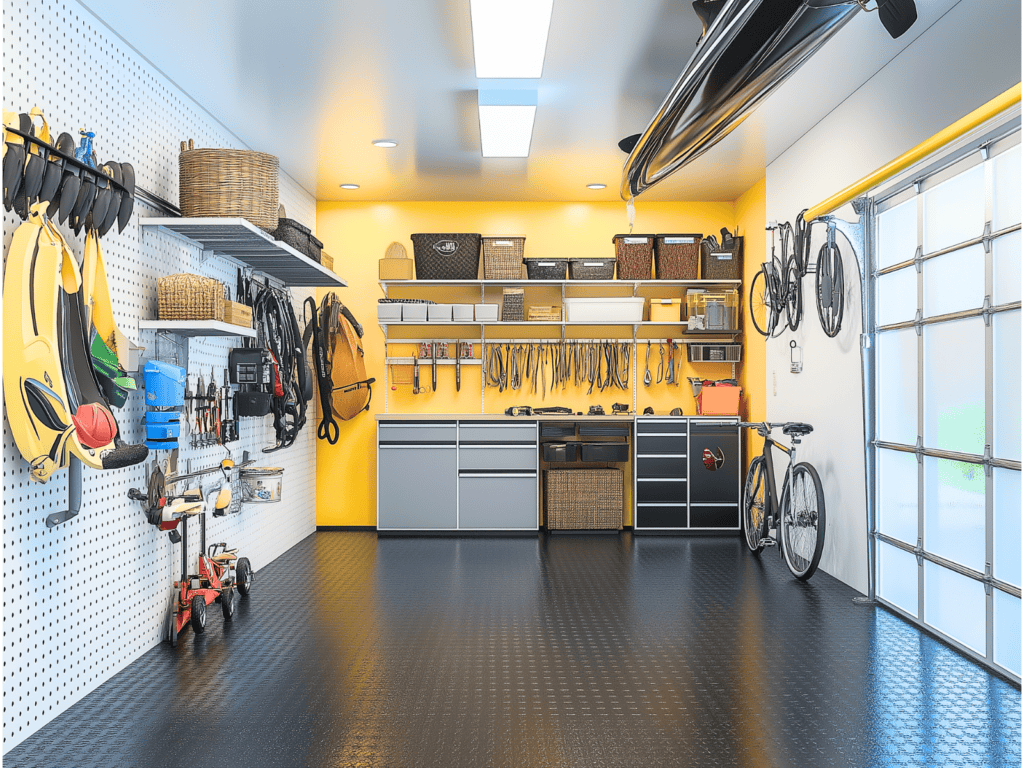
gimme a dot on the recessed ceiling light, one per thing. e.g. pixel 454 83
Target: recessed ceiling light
pixel 385 143
pixel 506 122
pixel 349 186
pixel 509 38
pixel 596 186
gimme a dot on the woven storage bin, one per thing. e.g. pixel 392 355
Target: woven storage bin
pixel 512 305
pixel 327 260
pixel 591 269
pixel 546 269
pixel 299 237
pixel 583 499
pixel 722 263
pixel 503 257
pixel 228 183
pixel 634 254
pixel 190 297
pixel 446 256
pixel 676 257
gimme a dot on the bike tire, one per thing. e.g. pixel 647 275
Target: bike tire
pixel 830 290
pixel 755 508
pixel 761 310
pixel 794 295
pixel 802 522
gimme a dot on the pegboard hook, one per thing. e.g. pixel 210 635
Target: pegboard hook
pixel 74 495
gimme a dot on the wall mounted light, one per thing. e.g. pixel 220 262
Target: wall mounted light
pixel 509 38
pixel 506 122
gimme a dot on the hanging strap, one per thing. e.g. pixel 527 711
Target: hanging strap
pixel 328 428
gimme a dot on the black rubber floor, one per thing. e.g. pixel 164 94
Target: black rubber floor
pixel 555 651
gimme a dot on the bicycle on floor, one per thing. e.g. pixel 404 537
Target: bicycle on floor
pixel 798 519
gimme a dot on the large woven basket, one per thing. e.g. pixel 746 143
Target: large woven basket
pixel 722 263
pixel 634 254
pixel 232 183
pixel 446 256
pixel 503 257
pixel 677 257
pixel 190 297
pixel 583 499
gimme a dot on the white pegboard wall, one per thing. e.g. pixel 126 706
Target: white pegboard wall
pixel 86 598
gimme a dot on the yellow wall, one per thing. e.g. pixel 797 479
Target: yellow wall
pixel 750 218
pixel 357 234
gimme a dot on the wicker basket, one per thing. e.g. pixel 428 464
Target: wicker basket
pixel 591 269
pixel 446 256
pixel 583 499
pixel 228 183
pixel 634 254
pixel 190 297
pixel 546 269
pixel 676 257
pixel 503 257
pixel 300 237
pixel 722 263
pixel 512 305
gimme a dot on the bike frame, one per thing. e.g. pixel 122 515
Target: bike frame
pixel 771 497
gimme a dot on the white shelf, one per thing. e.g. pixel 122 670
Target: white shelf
pixel 192 328
pixel 242 241
pixel 524 283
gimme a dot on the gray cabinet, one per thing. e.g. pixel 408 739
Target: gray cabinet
pixel 417 488
pixel 498 501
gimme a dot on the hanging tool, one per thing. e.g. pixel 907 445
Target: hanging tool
pixel 661 363
pixel 200 409
pixel 671 377
pixel 415 374
pixel 458 366
pixel 647 366
pixel 214 412
pixel 433 367
pixel 187 421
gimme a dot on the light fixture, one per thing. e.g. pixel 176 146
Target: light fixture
pixel 596 186
pixel 349 186
pixel 509 38
pixel 385 143
pixel 506 122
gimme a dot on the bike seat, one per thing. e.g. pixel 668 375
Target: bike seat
pixel 796 428
pixel 224 557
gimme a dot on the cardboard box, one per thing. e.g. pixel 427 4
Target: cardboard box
pixel 237 314
pixel 396 269
pixel 666 310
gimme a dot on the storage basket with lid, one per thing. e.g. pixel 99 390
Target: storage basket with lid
pixel 545 269
pixel 677 257
pixel 503 256
pixel 446 256
pixel 592 269
pixel 634 254
pixel 228 183
pixel 190 297
pixel 298 236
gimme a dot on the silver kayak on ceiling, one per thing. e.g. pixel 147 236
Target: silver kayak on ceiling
pixel 747 51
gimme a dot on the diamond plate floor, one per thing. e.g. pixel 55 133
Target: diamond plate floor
pixel 555 651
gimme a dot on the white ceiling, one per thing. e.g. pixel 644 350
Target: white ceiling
pixel 314 82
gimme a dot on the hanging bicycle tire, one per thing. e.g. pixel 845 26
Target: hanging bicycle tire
pixel 829 288
pixel 762 308
pixel 802 521
pixel 794 296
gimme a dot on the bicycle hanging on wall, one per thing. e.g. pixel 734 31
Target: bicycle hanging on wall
pixel 777 287
pixel 798 519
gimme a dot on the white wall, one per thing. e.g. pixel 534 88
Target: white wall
pixel 968 56
pixel 84 599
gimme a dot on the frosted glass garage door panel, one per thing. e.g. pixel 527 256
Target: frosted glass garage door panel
pixel 1006 370
pixel 954 282
pixel 896 297
pixel 897 495
pixel 897 577
pixel 896 374
pixel 1007 513
pixel 954 211
pixel 1006 178
pixel 954 386
pixel 1007 630
pixel 955 605
pixel 897 234
pixel 954 511
pixel 1006 269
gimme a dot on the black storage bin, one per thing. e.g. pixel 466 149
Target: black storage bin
pixel 446 256
pixel 560 451
pixel 614 452
pixel 604 430
pixel 557 430
pixel 299 237
pixel 545 269
pixel 592 269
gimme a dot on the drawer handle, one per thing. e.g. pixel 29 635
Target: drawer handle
pixel 390 446
pixel 661 455
pixel 661 479
pixel 525 475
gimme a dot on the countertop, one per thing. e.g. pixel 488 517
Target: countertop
pixel 541 417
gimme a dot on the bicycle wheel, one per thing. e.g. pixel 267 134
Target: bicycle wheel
pixel 829 289
pixel 755 518
pixel 762 310
pixel 794 297
pixel 802 521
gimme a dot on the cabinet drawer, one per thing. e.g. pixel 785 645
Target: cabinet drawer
pixel 661 466
pixel 497 503
pixel 709 516
pixel 427 432
pixel 416 488
pixel 674 444
pixel 489 432
pixel 670 516
pixel 498 457
pixel 660 490
pixel 660 426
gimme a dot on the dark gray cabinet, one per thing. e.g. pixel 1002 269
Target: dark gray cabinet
pixel 687 475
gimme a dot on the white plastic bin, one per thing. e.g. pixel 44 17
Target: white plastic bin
pixel 462 313
pixel 605 310
pixel 439 313
pixel 414 313
pixel 389 313
pixel 486 313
